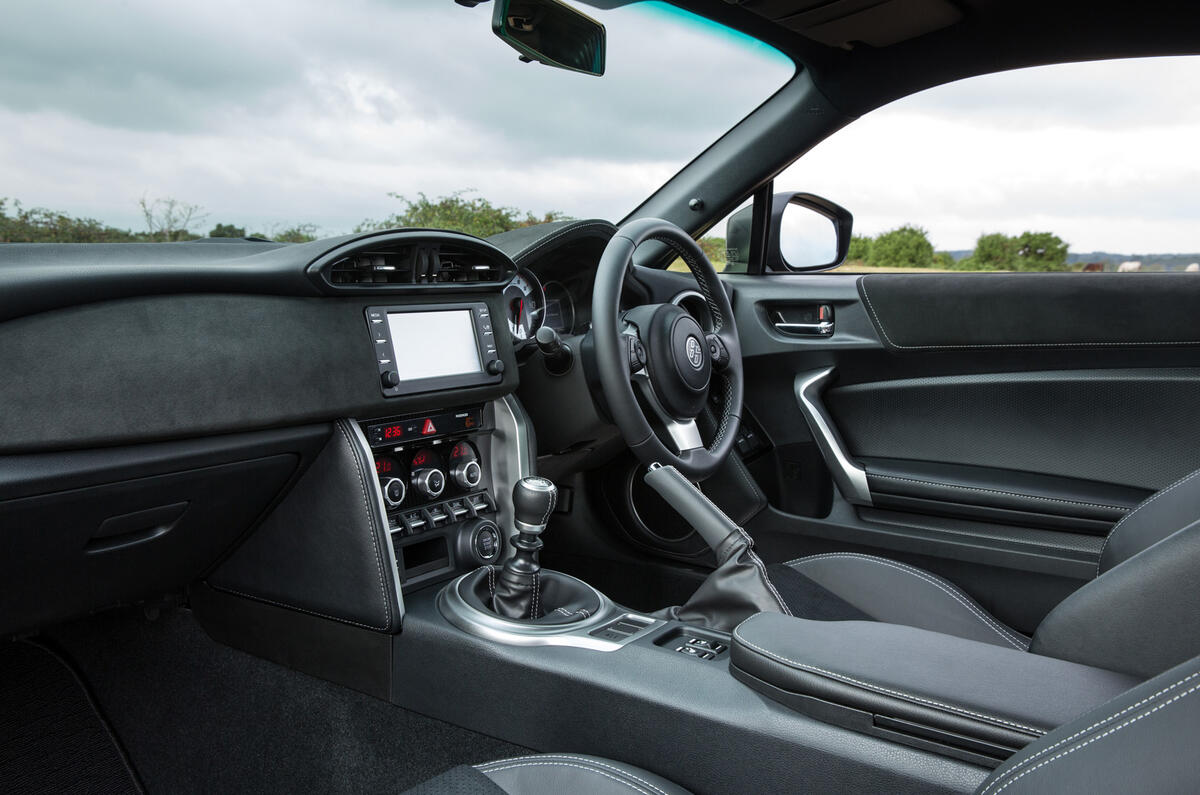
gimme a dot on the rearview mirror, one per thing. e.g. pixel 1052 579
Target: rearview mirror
pixel 551 32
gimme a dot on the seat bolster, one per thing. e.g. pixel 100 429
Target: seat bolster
pixel 544 774
pixel 1163 513
pixel 1140 741
pixel 896 593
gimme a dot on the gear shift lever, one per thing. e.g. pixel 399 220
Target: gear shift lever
pixel 518 585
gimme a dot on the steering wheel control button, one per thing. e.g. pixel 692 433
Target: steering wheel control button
pixel 717 350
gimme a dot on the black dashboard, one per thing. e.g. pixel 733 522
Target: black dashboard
pixel 163 398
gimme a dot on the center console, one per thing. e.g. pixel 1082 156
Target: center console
pixel 435 475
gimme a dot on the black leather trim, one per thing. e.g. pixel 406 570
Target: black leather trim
pixel 896 593
pixel 1038 310
pixel 1084 505
pixel 324 550
pixel 548 774
pixel 976 690
pixel 1142 741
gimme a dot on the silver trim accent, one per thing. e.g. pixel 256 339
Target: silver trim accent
pixel 491 627
pixel 365 449
pixel 460 476
pixel 511 459
pixel 851 479
pixel 685 435
pixel 531 529
pixel 403 492
pixel 705 322
pixel 823 328
pixel 538 483
pixel 421 480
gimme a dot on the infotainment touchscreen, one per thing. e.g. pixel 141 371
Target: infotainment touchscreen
pixel 430 347
pixel 434 344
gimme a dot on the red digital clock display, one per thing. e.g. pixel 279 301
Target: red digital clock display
pixel 383 466
pixel 393 432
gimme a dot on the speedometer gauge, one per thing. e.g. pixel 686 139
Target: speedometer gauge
pixel 524 305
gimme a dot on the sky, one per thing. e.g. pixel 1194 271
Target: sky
pixel 277 112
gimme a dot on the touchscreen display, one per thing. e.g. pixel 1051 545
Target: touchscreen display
pixel 434 344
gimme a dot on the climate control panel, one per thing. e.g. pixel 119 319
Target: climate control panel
pixel 437 491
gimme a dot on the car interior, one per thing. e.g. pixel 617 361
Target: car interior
pixel 413 510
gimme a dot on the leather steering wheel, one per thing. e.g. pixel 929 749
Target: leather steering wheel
pixel 664 354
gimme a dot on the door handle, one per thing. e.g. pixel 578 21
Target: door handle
pixel 816 321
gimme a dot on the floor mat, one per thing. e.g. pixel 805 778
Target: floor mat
pixel 196 716
pixel 52 738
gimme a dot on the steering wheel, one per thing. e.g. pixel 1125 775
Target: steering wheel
pixel 664 353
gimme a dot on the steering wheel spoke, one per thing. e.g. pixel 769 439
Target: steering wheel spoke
pixel 656 363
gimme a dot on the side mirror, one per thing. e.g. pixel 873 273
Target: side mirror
pixel 808 232
pixel 551 32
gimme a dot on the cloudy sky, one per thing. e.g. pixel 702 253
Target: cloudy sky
pixel 276 112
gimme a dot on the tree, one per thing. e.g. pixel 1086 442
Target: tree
pixel 714 249
pixel 170 219
pixel 943 259
pixel 227 230
pixel 300 233
pixel 474 216
pixel 1040 251
pixel 40 225
pixel 860 249
pixel 994 252
pixel 906 247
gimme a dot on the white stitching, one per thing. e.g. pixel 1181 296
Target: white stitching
pixel 1081 732
pixel 526 253
pixel 583 760
pixel 379 565
pixel 631 785
pixel 1091 740
pixel 879 688
pixel 995 491
pixel 533 609
pixel 863 285
pixel 1148 500
pixel 491 581
pixel 1008 635
pixel 756 561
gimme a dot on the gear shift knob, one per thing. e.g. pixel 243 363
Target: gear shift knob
pixel 533 502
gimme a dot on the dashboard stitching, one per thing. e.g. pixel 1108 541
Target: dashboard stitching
pixel 529 252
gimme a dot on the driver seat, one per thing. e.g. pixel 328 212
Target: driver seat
pixel 1140 615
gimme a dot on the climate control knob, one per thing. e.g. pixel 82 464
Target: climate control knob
pixel 467 475
pixel 393 492
pixel 430 482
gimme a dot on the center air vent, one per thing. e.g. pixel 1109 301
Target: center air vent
pixel 429 261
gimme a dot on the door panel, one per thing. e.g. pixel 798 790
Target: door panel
pixel 1000 423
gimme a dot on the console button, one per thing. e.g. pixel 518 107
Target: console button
pixel 393 492
pixel 495 367
pixel 389 378
pixel 429 482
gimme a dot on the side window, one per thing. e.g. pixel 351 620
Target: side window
pixel 1073 167
pixel 726 247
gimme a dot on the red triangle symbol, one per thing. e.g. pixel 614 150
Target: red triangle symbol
pixel 428 428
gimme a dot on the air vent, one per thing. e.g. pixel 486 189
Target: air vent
pixel 455 265
pixel 375 267
pixel 413 261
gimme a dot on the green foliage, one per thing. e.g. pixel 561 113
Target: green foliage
pixel 19 224
pixel 227 230
pixel 906 247
pixel 300 233
pixel 994 252
pixel 1030 251
pixel 943 259
pixel 860 248
pixel 1040 251
pixel 714 249
pixel 474 216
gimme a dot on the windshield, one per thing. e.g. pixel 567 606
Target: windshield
pixel 298 119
